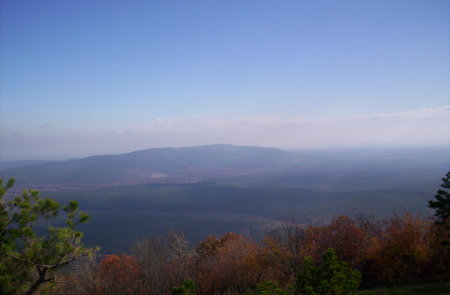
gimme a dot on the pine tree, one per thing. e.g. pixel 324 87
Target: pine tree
pixel 442 206
pixel 333 277
pixel 29 259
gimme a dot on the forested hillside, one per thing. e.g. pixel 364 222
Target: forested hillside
pixel 190 164
pixel 344 256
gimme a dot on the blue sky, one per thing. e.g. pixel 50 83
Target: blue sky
pixel 85 77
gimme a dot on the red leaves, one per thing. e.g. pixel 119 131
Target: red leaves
pixel 119 273
pixel 118 263
pixel 342 234
pixel 398 250
pixel 230 262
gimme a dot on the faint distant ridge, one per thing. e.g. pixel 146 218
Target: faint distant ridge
pixel 5 165
pixel 156 165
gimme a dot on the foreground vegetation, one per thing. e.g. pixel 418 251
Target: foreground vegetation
pixel 29 260
pixel 426 289
pixel 398 251
pixel 340 257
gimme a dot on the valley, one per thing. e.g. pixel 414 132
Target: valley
pixel 216 189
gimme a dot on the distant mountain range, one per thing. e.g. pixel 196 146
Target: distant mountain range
pixel 215 162
pixel 158 165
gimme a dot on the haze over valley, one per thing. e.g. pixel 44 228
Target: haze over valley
pixel 224 147
pixel 214 189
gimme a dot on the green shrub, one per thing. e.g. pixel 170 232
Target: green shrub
pixel 331 278
pixel 188 288
pixel 270 288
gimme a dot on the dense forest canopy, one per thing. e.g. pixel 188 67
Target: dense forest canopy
pixel 296 259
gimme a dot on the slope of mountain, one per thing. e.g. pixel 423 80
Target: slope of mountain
pixel 188 164
pixel 5 165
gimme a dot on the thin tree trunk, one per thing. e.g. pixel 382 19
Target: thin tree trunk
pixel 40 280
pixel 34 287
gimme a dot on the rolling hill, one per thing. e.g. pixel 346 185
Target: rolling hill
pixel 188 164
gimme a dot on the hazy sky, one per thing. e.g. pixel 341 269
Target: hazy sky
pixel 91 77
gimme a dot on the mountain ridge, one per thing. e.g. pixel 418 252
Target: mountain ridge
pixel 154 165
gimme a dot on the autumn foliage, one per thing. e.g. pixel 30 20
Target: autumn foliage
pixel 119 273
pixel 399 250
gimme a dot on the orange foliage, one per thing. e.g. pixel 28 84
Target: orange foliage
pixel 279 263
pixel 400 250
pixel 227 264
pixel 118 273
pixel 343 235
pixel 403 253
